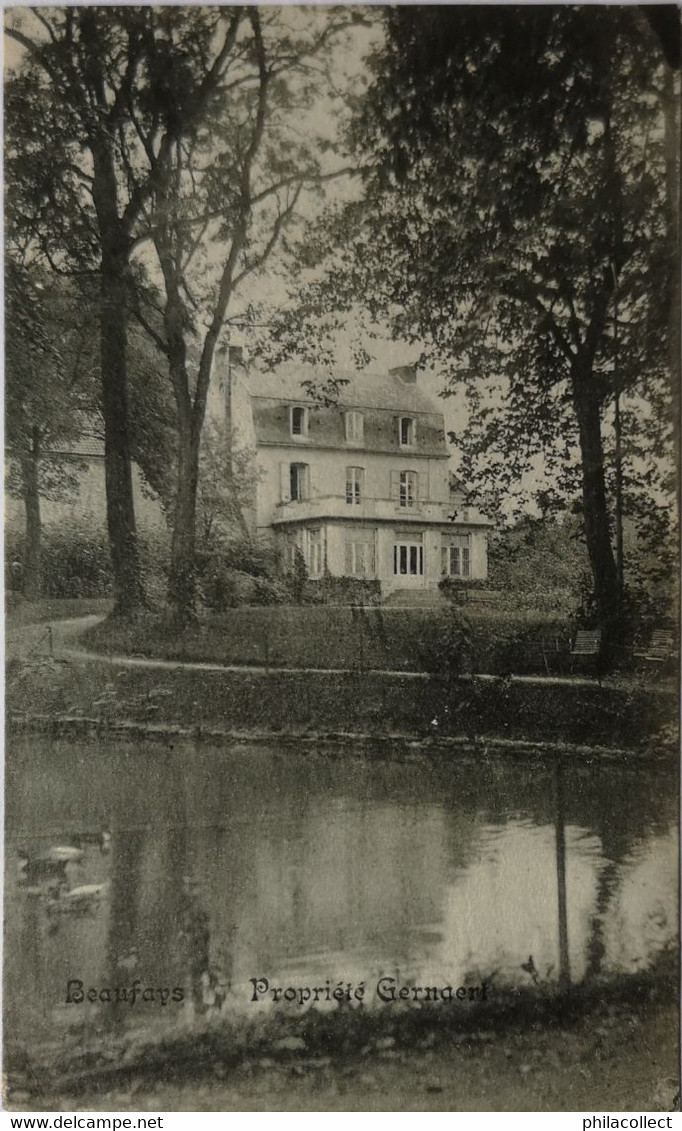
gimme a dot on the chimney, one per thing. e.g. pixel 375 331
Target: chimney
pixel 405 373
pixel 235 360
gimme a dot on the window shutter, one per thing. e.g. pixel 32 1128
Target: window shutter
pixel 395 486
pixel 285 482
pixel 422 487
pixel 305 485
pixel 444 561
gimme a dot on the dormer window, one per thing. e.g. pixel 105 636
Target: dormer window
pixel 354 427
pixel 298 420
pixel 406 431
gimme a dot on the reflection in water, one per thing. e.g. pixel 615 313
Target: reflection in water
pixel 230 865
pixel 564 964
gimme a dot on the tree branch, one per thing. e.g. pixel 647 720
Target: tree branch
pixel 520 290
pixel 277 228
pixel 306 179
pixel 149 329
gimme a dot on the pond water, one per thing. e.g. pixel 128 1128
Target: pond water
pixel 204 868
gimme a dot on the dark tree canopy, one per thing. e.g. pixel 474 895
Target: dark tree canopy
pixel 178 146
pixel 516 223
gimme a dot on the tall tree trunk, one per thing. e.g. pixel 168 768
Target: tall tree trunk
pixel 595 511
pixel 182 574
pixel 182 577
pixel 32 560
pixel 672 165
pixel 128 594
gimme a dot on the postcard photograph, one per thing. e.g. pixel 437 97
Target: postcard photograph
pixel 342 436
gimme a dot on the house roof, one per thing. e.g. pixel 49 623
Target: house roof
pixel 87 445
pixel 355 390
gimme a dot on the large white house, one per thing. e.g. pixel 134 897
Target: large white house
pixel 360 485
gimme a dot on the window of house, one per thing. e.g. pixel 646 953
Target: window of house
pixel 355 484
pixel 299 482
pixel 407 494
pixel 299 421
pixel 360 558
pixel 315 553
pixel 456 555
pixel 408 559
pixel 406 429
pixel 354 427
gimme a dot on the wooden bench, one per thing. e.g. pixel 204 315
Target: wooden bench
pixel 587 646
pixel 661 647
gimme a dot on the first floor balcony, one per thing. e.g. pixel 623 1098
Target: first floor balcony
pixel 325 507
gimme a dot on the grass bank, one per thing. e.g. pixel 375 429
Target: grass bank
pixel 606 1044
pixel 353 702
pixel 396 639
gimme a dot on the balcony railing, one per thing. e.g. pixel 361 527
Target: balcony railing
pixel 336 506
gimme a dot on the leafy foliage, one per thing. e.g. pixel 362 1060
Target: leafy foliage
pixel 224 195
pixel 228 477
pixel 76 561
pixel 516 224
pixel 537 554
pixel 49 374
pixel 447 646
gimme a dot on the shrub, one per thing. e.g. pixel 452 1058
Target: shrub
pixel 266 592
pixel 75 562
pixel 297 578
pixel 444 645
pixel 224 588
pixel 246 554
pixel 532 649
pixel 230 588
pixel 455 589
pixel 341 591
pixel 243 571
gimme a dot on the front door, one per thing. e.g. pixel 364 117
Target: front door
pixel 408 565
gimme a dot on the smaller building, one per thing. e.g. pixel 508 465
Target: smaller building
pixel 76 492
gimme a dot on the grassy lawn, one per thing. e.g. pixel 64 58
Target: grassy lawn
pixel 398 639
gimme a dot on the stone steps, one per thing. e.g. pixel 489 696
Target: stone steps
pixel 421 598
